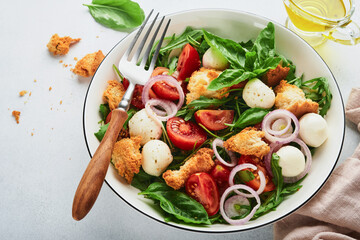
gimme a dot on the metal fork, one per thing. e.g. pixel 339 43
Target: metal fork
pixel 94 175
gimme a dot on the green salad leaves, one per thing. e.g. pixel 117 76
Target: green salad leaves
pixel 116 14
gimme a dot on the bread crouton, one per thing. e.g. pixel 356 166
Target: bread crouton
pixel 113 93
pixel 292 98
pixel 248 142
pixel 16 115
pixel 198 83
pixel 274 76
pixel 88 65
pixel 201 161
pixel 61 45
pixel 126 157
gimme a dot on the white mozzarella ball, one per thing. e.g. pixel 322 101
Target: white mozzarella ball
pixel 142 125
pixel 313 129
pixel 215 60
pixel 156 157
pixel 292 161
pixel 258 94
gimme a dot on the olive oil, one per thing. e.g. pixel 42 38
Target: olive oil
pixel 314 15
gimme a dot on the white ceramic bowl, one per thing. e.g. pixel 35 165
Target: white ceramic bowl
pixel 239 26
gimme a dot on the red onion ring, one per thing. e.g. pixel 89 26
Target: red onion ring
pixel 168 79
pixel 306 151
pixel 250 215
pixel 242 167
pixel 277 124
pixel 280 114
pixel 220 143
pixel 229 208
pixel 274 147
pixel 168 106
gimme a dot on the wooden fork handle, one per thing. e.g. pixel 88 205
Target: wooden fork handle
pixel 94 175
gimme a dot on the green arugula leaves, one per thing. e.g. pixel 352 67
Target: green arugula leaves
pixel 116 14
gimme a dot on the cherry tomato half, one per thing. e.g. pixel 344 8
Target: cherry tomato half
pixel 108 118
pixel 214 119
pixel 203 189
pixel 221 174
pixel 136 100
pixel 255 183
pixel 189 61
pixel 185 134
pixel 162 89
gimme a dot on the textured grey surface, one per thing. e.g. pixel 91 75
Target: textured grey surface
pixel 39 173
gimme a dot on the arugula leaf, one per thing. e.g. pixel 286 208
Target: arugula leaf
pixel 100 134
pixel 277 172
pixel 116 14
pixel 182 40
pixel 249 117
pixel 104 110
pixel 177 203
pixel 230 49
pixel 318 90
pixel 172 65
pixel 201 103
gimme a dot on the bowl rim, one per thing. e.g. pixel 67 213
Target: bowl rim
pixel 178 226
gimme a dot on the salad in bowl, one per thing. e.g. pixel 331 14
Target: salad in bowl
pixel 223 134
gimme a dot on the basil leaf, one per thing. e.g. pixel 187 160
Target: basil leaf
pixel 230 77
pixel 264 44
pixel 250 116
pixel 231 50
pixel 116 14
pixel 100 134
pixel 177 203
pixel 142 180
pixel 104 110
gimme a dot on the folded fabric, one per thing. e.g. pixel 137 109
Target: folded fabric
pixel 334 213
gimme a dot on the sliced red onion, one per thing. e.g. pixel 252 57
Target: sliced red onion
pixel 274 147
pixel 168 79
pixel 250 215
pixel 273 135
pixel 168 106
pixel 278 129
pixel 306 151
pixel 242 167
pixel 220 143
pixel 230 203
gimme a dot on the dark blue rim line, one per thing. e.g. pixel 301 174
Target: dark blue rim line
pixel 240 230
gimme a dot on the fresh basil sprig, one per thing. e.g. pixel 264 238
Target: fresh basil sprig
pixel 116 14
pixel 177 203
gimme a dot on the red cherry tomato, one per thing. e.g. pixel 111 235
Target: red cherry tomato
pixel 185 134
pixel 108 118
pixel 221 174
pixel 255 183
pixel 214 119
pixel 136 100
pixel 165 91
pixel 189 61
pixel 203 189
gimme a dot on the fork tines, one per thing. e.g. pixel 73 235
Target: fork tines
pixel 137 54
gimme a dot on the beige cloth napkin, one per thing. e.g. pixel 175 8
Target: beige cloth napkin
pixel 334 213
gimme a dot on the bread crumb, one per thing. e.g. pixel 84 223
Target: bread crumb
pixel 32 134
pixel 75 58
pixel 61 61
pixel 60 102
pixel 50 88
pixel 29 94
pixel 60 45
pixel 35 80
pixel 65 65
pixel 16 114
pixel 22 93
pixel 87 66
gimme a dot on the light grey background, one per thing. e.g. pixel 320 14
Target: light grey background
pixel 39 174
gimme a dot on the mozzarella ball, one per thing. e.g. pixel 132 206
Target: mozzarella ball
pixel 292 161
pixel 313 129
pixel 258 94
pixel 215 60
pixel 156 157
pixel 142 125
